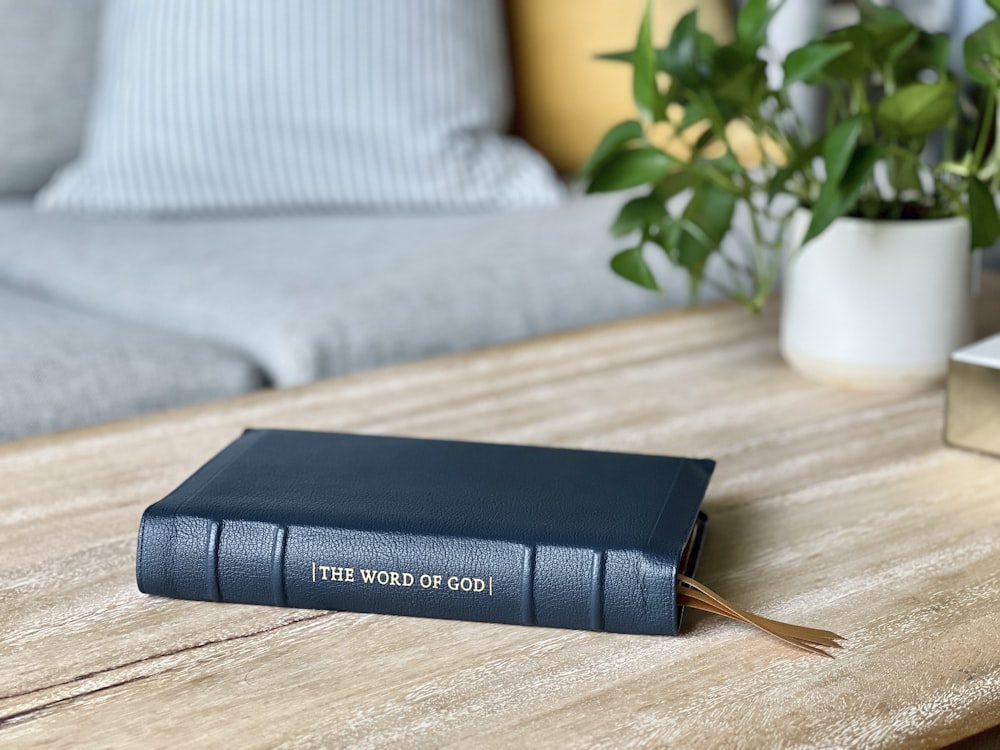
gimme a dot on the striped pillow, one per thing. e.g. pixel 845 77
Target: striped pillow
pixel 237 105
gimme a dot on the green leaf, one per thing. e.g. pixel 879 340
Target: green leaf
pixel 838 199
pixel 886 24
pixel 858 173
pixel 704 139
pixel 706 45
pixel 888 49
pixel 903 172
pixel 627 169
pixel 982 53
pixel 680 58
pixel 673 184
pixel 802 158
pixel 728 164
pixel 612 142
pixel 995 4
pixel 638 214
pixel 629 264
pixel 644 89
pixel 738 80
pixel 751 23
pixel 857 63
pixel 807 63
pixel 838 147
pixel 917 109
pixel 983 214
pixel 627 56
pixel 666 237
pixel 930 52
pixel 711 211
pixel 891 32
pixel 881 16
pixel 693 113
pixel 936 49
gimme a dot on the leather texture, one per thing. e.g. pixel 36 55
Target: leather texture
pixel 462 530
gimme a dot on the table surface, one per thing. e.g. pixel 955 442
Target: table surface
pixel 832 508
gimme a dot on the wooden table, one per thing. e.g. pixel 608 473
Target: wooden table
pixel 838 509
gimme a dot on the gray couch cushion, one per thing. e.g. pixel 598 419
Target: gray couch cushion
pixel 61 368
pixel 47 51
pixel 271 105
pixel 313 296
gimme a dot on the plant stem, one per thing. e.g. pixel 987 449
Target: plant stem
pixel 735 270
pixel 763 278
pixel 889 78
pixel 736 294
pixel 985 130
pixel 861 106
pixel 944 187
pixel 834 106
pixel 995 155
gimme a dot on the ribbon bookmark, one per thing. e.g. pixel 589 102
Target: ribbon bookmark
pixel 690 593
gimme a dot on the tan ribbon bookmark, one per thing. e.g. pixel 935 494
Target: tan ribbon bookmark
pixel 690 593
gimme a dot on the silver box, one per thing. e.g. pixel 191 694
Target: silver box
pixel 972 415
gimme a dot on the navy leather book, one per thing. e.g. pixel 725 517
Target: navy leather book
pixel 432 528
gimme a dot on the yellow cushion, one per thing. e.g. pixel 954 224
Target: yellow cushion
pixel 566 100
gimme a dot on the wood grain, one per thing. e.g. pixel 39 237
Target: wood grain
pixel 832 508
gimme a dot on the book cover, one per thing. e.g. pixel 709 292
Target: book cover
pixel 433 528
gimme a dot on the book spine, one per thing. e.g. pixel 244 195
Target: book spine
pixel 253 562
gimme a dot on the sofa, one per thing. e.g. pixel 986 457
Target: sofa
pixel 103 318
pixel 100 321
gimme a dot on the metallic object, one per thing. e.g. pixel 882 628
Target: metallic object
pixel 972 414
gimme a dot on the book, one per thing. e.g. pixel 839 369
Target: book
pixel 434 528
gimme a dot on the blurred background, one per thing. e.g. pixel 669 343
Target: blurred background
pixel 198 200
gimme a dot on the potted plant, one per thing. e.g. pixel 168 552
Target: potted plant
pixel 876 236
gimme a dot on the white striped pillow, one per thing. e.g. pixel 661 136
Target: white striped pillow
pixel 236 105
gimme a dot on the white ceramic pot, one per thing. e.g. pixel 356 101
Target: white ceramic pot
pixel 877 305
